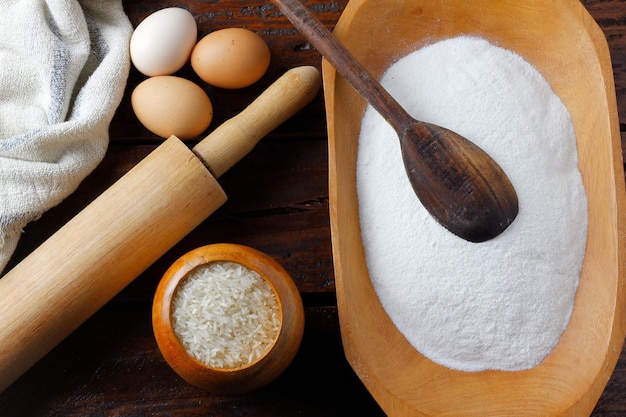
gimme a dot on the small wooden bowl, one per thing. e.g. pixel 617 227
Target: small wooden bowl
pixel 234 380
pixel 564 43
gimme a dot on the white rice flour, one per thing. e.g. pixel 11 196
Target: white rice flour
pixel 502 304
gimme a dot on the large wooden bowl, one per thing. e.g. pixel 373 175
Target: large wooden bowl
pixel 564 43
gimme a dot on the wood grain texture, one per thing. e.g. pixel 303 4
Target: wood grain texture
pixel 110 366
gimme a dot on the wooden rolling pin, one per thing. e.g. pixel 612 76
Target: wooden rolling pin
pixel 126 229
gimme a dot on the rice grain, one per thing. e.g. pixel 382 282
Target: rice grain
pixel 225 315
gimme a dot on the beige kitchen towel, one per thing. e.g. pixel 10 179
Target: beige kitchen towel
pixel 63 69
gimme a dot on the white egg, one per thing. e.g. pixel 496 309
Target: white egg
pixel 162 43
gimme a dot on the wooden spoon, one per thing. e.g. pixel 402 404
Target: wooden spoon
pixel 461 186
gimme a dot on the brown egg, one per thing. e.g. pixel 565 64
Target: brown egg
pixel 231 58
pixel 168 105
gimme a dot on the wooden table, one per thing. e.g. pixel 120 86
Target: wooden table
pixel 278 203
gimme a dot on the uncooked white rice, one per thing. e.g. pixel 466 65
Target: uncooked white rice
pixel 225 315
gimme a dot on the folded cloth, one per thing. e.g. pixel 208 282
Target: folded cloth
pixel 63 69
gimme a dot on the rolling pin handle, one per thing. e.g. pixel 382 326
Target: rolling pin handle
pixel 231 141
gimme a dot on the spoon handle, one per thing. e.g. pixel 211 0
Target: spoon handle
pixel 344 62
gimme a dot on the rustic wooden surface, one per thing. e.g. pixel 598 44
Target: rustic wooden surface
pixel 278 203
